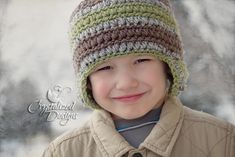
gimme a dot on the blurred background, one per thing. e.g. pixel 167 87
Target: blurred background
pixel 35 56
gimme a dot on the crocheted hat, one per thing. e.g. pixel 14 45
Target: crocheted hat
pixel 103 29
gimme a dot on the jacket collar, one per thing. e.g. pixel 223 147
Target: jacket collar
pixel 160 140
pixel 109 141
pixel 164 134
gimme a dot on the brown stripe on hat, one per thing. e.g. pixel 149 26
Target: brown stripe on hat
pixel 155 34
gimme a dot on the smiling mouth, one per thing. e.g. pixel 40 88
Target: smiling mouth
pixel 129 98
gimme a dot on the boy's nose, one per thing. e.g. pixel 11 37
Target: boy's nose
pixel 126 81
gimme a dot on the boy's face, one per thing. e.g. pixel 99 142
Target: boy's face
pixel 130 86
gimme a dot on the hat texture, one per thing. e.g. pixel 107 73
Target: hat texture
pixel 103 29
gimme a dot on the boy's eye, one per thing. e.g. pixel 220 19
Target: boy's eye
pixel 104 68
pixel 142 60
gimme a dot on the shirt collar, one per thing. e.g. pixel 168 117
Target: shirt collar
pixel 151 116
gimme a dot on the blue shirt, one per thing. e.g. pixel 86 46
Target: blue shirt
pixel 136 130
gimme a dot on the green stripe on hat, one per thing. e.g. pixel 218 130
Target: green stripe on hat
pixel 123 10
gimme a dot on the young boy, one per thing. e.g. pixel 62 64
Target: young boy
pixel 128 58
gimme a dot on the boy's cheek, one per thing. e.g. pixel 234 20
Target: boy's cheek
pixel 100 88
pixel 152 76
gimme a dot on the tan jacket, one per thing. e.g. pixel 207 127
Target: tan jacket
pixel 180 132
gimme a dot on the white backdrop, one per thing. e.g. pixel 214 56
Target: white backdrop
pixel 35 56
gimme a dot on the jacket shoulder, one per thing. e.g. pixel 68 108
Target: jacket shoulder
pixel 198 124
pixel 209 135
pixel 194 116
pixel 70 142
pixel 74 134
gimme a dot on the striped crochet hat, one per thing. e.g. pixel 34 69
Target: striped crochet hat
pixel 102 29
